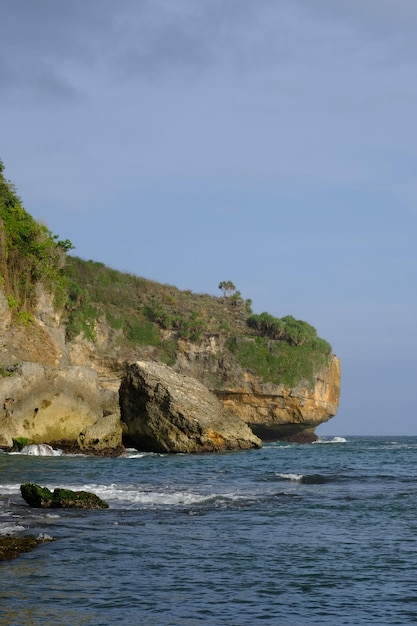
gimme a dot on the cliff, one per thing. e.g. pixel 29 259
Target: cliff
pixel 70 393
pixel 273 411
pixel 70 331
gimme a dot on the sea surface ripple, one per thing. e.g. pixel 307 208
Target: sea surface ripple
pixel 288 535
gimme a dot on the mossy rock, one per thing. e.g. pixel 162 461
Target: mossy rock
pixel 67 499
pixel 36 496
pixel 42 497
pixel 19 443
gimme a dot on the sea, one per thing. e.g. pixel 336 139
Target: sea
pixel 289 535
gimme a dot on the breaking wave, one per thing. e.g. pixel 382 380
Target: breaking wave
pixel 333 440
pixel 40 449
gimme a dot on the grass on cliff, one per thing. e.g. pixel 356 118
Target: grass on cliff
pixel 141 308
pixel 122 311
pixel 142 312
pixel 280 362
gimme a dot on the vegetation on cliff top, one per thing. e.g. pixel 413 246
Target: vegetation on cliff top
pixel 29 253
pixel 142 312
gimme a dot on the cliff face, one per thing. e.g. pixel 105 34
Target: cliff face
pixel 45 398
pixel 272 411
pixel 275 412
pixel 53 391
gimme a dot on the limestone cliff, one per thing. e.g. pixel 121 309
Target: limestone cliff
pixel 276 412
pixel 53 391
pixel 272 411
pixel 69 328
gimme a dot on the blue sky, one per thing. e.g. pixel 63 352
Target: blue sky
pixel 269 142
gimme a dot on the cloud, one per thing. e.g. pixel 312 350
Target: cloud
pixel 267 93
pixel 288 45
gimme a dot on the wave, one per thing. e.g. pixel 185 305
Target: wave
pixel 132 453
pixel 39 449
pixel 124 496
pixel 10 529
pixel 333 440
pixel 297 477
pixel 306 479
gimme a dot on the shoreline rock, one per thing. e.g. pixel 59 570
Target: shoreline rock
pixel 11 547
pixel 168 412
pixel 41 497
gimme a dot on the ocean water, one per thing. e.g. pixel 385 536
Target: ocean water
pixel 287 535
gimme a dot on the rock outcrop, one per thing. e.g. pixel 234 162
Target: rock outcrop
pixel 102 437
pixel 273 412
pixel 169 412
pixel 68 329
pixel 47 405
pixel 12 547
pixel 41 497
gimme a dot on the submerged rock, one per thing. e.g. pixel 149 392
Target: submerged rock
pixel 12 547
pixel 42 497
pixel 169 412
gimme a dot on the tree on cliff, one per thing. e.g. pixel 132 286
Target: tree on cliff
pixel 227 287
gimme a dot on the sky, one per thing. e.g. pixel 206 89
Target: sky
pixel 272 143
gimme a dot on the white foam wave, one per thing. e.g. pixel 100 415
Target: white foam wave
pixel 10 529
pixel 44 537
pixel 334 440
pixel 121 496
pixel 130 495
pixel 40 449
pixel 133 453
pixel 290 476
pixel 9 489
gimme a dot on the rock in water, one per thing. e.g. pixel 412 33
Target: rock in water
pixel 42 497
pixel 12 547
pixel 169 412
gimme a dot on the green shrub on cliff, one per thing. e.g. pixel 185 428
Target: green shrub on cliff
pixel 29 252
pixel 146 313
pixel 295 332
pixel 281 362
pixel 285 350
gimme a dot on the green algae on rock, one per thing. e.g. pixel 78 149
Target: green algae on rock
pixel 42 497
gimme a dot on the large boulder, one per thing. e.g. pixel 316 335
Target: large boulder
pixel 169 412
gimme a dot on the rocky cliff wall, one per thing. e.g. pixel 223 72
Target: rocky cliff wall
pixel 46 404
pixel 272 411
pixel 53 391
